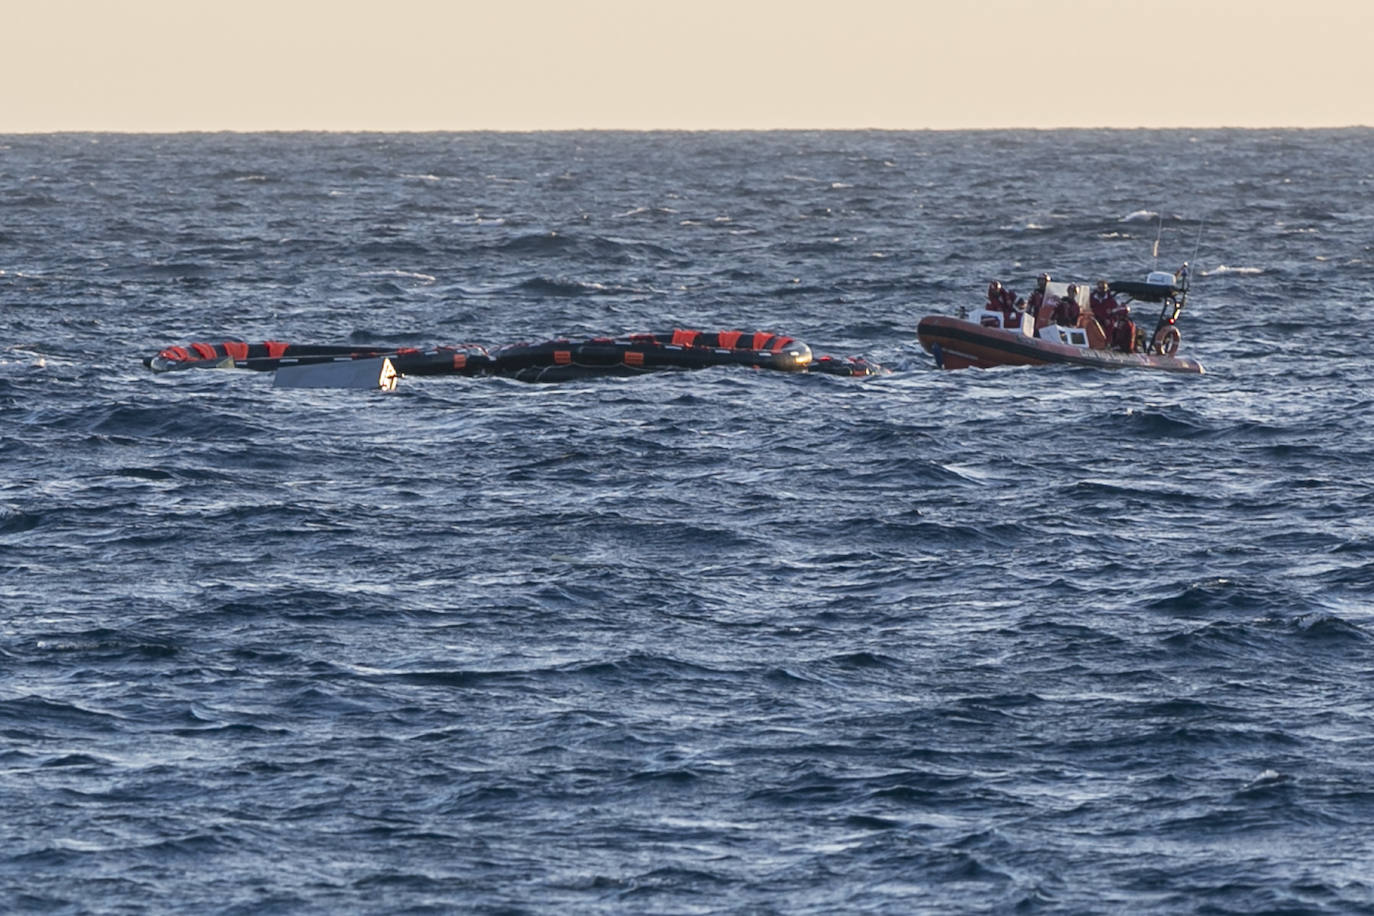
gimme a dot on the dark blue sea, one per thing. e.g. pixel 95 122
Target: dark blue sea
pixel 729 641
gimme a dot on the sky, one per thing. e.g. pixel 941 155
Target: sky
pixel 402 65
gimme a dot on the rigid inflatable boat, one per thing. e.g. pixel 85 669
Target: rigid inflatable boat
pixel 986 338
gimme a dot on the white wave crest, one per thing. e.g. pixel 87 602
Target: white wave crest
pixel 1140 216
pixel 1224 269
pixel 400 275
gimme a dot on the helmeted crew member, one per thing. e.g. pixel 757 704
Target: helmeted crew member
pixel 1037 297
pixel 994 303
pixel 1001 299
pixel 1011 308
pixel 1114 317
pixel 994 296
pixel 1066 312
pixel 1103 303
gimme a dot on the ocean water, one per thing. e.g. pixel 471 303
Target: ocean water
pixel 1038 640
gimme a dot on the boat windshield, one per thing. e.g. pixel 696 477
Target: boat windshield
pixel 1059 290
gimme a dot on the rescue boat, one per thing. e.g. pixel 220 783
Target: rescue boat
pixel 985 338
pixel 328 366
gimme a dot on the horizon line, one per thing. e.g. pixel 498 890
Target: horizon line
pixel 648 130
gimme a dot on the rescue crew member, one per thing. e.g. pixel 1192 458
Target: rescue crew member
pixel 1001 299
pixel 1067 312
pixel 1037 297
pixel 1103 303
pixel 1114 317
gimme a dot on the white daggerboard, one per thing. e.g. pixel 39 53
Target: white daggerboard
pixel 376 374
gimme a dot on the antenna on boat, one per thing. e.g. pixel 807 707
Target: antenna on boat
pixel 1159 231
pixel 1198 244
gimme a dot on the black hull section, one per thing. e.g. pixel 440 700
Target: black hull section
pixel 546 361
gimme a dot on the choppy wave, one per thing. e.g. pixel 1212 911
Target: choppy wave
pixel 721 641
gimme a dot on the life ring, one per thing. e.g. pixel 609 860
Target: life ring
pixel 1167 340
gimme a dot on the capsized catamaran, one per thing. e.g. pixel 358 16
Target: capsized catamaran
pixel 328 366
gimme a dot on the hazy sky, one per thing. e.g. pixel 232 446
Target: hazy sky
pixel 167 65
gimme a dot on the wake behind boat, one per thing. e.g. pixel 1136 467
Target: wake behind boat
pixel 1063 324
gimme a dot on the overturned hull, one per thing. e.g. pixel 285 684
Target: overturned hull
pixel 312 365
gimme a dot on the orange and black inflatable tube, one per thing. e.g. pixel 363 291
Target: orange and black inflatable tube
pixel 548 360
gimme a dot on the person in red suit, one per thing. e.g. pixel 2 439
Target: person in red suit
pixel 994 296
pixel 1114 317
pixel 1001 299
